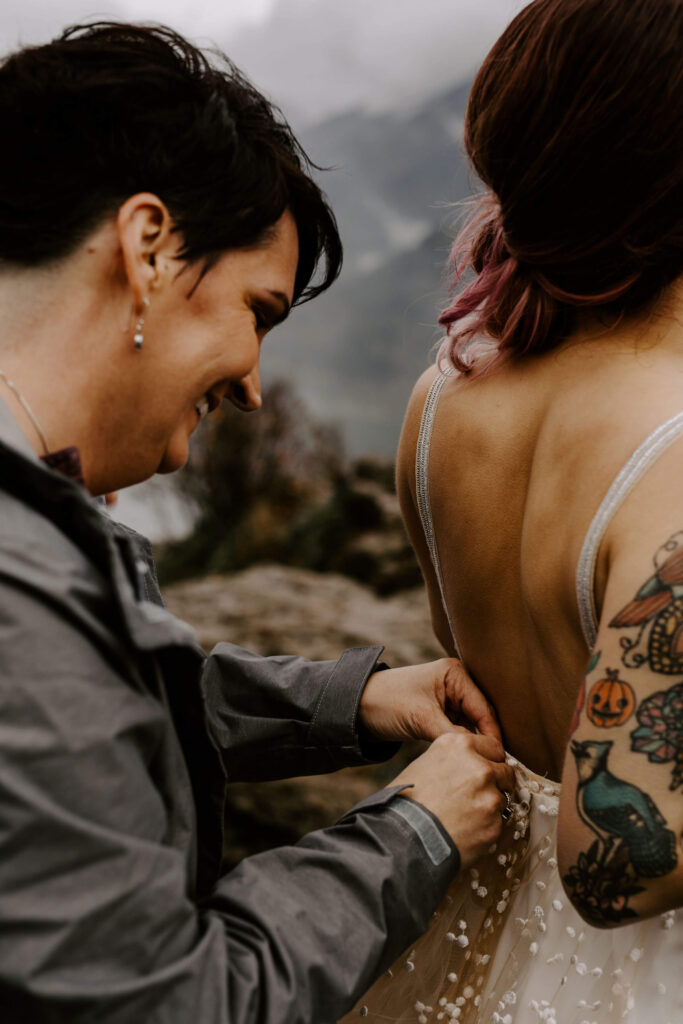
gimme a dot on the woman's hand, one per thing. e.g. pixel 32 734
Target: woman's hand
pixel 462 779
pixel 421 702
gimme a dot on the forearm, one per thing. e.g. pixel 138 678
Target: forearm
pixel 284 716
pixel 310 927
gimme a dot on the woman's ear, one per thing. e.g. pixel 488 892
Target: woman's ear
pixel 148 244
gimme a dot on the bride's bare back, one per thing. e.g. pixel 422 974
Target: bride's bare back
pixel 519 463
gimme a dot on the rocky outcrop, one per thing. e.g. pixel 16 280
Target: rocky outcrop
pixel 277 610
pixel 274 609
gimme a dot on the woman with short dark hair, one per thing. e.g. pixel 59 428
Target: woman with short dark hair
pixel 157 219
pixel 540 480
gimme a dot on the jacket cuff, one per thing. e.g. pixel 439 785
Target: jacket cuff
pixel 422 829
pixel 334 724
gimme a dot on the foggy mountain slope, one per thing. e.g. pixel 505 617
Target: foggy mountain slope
pixel 407 165
pixel 356 351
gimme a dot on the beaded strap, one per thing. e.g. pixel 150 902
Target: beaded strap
pixel 422 485
pixel 636 467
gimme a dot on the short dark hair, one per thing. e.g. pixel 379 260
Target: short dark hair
pixel 575 124
pixel 110 109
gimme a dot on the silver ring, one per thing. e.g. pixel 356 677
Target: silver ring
pixel 506 813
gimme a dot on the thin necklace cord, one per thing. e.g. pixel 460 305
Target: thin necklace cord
pixel 28 410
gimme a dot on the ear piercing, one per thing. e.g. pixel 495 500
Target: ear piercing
pixel 138 336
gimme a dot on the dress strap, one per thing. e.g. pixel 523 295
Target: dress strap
pixel 636 467
pixel 422 485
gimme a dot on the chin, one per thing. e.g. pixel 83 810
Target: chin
pixel 174 458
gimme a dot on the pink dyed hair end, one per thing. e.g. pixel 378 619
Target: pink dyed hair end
pixel 486 316
pixel 510 307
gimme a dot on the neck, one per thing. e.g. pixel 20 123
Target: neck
pixel 57 328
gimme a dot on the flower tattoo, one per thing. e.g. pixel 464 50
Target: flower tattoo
pixel 602 891
pixel 660 730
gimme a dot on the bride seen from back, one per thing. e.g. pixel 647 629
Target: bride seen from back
pixel 539 477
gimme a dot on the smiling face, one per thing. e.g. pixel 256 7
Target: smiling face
pixel 202 344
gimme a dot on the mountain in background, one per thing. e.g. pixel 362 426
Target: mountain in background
pixel 355 352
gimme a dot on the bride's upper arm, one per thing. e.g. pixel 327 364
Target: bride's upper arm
pixel 621 812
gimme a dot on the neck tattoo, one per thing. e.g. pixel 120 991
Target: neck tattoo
pixel 28 410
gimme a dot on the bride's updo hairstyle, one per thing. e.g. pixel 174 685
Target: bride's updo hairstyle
pixel 575 125
pixel 111 109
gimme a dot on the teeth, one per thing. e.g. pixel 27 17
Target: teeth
pixel 202 407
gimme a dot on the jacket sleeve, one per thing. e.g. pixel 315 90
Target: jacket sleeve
pixel 279 717
pixel 310 927
pixel 97 918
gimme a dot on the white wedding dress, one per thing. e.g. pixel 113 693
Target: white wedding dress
pixel 505 945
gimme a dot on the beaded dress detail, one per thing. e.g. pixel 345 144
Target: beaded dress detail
pixel 505 945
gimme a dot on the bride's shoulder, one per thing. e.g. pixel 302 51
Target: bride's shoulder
pixel 445 373
pixel 413 417
pixel 418 396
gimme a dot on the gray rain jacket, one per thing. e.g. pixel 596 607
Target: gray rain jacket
pixel 117 735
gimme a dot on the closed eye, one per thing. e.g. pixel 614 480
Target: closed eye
pixel 263 321
pixel 268 314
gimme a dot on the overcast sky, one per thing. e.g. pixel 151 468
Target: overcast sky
pixel 315 57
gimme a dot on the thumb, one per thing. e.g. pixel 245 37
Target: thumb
pixel 435 723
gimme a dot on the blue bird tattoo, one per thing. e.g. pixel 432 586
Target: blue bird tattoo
pixel 619 812
pixel 632 838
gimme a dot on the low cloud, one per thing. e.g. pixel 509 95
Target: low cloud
pixel 318 57
pixel 315 57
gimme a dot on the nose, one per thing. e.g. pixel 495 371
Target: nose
pixel 246 393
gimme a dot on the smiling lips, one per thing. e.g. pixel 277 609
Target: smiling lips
pixel 206 404
pixel 202 407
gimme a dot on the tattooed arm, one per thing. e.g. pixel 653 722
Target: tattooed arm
pixel 621 814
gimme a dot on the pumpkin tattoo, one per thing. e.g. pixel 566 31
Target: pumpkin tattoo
pixel 657 607
pixel 611 702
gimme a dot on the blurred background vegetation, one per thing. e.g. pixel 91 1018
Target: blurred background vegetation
pixel 277 486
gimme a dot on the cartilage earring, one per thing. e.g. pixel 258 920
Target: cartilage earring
pixel 138 336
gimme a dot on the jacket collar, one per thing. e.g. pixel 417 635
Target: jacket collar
pixel 113 548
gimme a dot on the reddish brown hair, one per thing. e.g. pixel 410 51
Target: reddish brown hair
pixel 575 125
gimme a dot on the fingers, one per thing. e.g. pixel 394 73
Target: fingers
pixel 430 728
pixel 501 773
pixel 486 724
pixel 505 778
pixel 489 747
pixel 467 698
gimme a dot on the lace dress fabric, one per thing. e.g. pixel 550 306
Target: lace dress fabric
pixel 505 945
